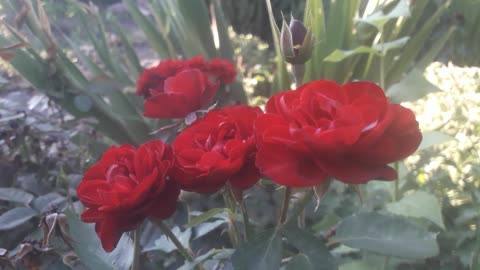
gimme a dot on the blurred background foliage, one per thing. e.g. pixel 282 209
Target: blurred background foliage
pixel 69 93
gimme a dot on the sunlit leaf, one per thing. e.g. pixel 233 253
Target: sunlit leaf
pixel 432 137
pixel 379 18
pixel 387 235
pixel 339 55
pixel 419 204
pixel 414 86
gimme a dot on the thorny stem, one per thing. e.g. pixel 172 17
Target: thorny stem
pixel 286 200
pixel 136 249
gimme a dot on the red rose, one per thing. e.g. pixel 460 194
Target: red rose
pixel 175 88
pixel 324 130
pixel 217 148
pixel 126 186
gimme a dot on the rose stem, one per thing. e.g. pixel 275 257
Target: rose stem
pixel 136 249
pixel 187 254
pixel 299 206
pixel 246 221
pixel 284 210
pixel 233 231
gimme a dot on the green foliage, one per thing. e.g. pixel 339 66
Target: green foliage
pixel 184 30
pixel 381 46
pixel 386 235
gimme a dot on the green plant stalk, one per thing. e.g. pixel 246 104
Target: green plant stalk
pixel 285 203
pixel 476 252
pixel 136 249
pixel 382 60
pixel 299 206
pixel 187 254
pixel 246 221
pixel 233 231
pixel 396 190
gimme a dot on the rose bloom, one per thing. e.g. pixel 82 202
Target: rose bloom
pixel 126 186
pixel 175 88
pixel 217 148
pixel 324 130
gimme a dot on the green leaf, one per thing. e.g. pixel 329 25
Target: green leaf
pixel 432 137
pixel 394 44
pixel 417 41
pixel 166 245
pixel 83 103
pixel 379 18
pixel 205 216
pixel 89 249
pixel 339 55
pixel 15 217
pixel 15 195
pixel 356 265
pixel 263 252
pixel 316 251
pixel 387 235
pixel 151 33
pixel 206 227
pixel 414 86
pixel 299 262
pixel 419 204
pixel 191 265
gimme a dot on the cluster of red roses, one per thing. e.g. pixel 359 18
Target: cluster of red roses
pixel 308 135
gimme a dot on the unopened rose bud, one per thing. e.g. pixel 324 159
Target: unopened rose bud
pixel 296 42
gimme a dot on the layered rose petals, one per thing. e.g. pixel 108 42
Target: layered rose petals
pixel 126 186
pixel 217 148
pixel 324 130
pixel 175 88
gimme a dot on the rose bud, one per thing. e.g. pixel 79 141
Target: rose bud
pixel 296 42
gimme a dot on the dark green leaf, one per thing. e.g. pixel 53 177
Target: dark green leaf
pixel 166 245
pixel 263 252
pixel 387 235
pixel 89 249
pixel 191 265
pixel 314 248
pixel 300 262
pixel 15 195
pixel 83 103
pixel 48 201
pixel 205 216
pixel 206 227
pixel 15 217
pixel 356 265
